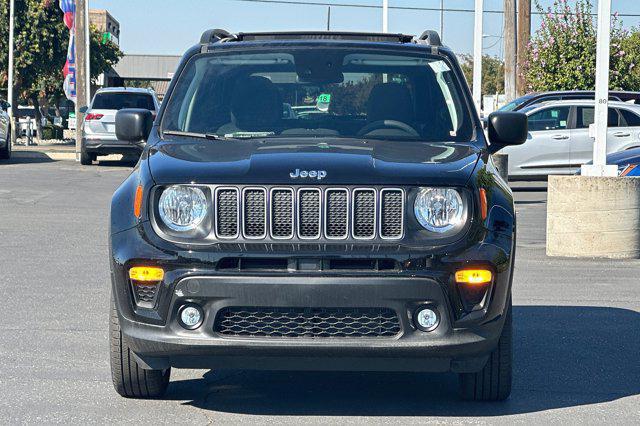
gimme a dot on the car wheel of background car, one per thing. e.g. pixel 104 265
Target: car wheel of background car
pixel 129 379
pixel 5 153
pixel 86 159
pixel 493 382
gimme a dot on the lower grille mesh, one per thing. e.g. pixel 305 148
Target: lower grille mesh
pixel 307 322
pixel 145 294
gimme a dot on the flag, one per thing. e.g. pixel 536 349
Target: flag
pixel 69 71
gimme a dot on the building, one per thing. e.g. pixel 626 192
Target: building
pixel 154 71
pixel 106 24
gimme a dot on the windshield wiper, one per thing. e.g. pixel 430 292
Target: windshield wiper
pixel 211 136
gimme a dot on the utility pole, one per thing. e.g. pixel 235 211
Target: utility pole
pixel 329 18
pixel 385 16
pixel 81 70
pixel 87 47
pixel 524 35
pixel 510 56
pixel 477 54
pixel 12 13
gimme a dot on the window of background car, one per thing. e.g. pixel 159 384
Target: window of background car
pixel 629 119
pixel 332 92
pixel 118 101
pixel 585 117
pixel 553 118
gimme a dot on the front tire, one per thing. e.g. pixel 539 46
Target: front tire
pixel 5 153
pixel 129 379
pixel 493 382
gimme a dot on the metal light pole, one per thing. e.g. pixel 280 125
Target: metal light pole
pixel 441 19
pixel 10 79
pixel 477 54
pixel 385 16
pixel 599 129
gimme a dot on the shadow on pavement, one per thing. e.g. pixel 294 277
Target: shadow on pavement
pixel 19 157
pixel 565 356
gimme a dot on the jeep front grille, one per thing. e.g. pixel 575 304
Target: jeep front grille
pixel 288 213
pixel 311 323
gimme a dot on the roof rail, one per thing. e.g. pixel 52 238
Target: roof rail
pixel 326 35
pixel 217 35
pixel 214 35
pixel 431 37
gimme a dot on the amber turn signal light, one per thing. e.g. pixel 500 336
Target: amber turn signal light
pixel 473 276
pixel 483 203
pixel 146 273
pixel 137 202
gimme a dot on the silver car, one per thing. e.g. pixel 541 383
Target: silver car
pixel 5 131
pixel 99 126
pixel 559 141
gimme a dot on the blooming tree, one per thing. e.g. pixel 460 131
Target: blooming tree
pixel 562 52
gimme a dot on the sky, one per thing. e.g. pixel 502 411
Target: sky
pixel 169 27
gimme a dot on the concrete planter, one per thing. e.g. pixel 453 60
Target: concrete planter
pixel 593 217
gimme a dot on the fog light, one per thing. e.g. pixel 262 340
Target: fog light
pixel 190 316
pixel 426 319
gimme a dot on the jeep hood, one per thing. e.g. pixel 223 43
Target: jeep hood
pixel 346 162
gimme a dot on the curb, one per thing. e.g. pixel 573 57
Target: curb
pixel 57 155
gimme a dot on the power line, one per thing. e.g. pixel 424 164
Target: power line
pixel 414 8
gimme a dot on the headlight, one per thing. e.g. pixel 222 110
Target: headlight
pixel 439 209
pixel 182 208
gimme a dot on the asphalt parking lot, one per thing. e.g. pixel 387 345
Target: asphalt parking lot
pixel 576 331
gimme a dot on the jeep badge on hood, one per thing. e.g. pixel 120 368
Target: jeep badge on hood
pixel 317 174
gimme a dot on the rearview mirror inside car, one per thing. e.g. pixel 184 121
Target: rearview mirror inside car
pixel 133 125
pixel 506 128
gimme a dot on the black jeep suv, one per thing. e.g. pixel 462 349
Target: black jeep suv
pixel 314 201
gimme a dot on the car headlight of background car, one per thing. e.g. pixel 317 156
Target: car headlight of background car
pixel 182 208
pixel 439 210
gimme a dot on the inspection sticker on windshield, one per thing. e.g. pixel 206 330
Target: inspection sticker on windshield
pixel 324 98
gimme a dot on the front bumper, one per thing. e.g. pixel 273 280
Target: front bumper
pixel 460 343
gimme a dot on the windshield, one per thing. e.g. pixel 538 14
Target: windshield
pixel 328 92
pixel 514 103
pixel 118 101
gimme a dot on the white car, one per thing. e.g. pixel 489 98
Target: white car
pixel 559 141
pixel 5 131
pixel 99 125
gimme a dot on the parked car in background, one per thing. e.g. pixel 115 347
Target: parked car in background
pixel 559 141
pixel 99 126
pixel 5 131
pixel 628 162
pixel 566 95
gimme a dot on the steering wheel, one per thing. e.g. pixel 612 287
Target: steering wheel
pixel 388 124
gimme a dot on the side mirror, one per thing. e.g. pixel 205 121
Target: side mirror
pixel 506 128
pixel 83 109
pixel 133 124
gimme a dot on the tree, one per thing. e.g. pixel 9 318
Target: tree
pixel 562 52
pixel 492 73
pixel 41 40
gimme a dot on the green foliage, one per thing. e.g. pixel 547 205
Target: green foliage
pixel 492 73
pixel 562 52
pixel 40 50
